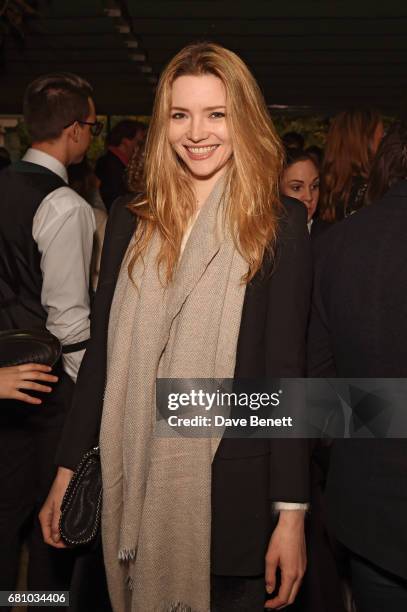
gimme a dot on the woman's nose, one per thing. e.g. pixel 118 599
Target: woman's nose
pixel 197 131
pixel 307 194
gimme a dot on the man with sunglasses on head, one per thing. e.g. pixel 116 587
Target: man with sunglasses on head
pixel 46 238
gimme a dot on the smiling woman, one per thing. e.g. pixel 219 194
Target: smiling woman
pixel 213 282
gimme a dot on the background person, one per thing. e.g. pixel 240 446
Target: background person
pixel 83 180
pixel 122 142
pixel 365 336
pixel 16 380
pixel 46 237
pixel 352 141
pixel 300 180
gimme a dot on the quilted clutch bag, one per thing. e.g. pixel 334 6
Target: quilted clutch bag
pixel 19 346
pixel 82 503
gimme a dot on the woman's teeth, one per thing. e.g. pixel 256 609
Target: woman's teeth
pixel 202 150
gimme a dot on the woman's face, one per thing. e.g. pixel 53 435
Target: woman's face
pixel 301 181
pixel 198 131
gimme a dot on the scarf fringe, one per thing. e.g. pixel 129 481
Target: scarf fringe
pixel 129 583
pixel 176 606
pixel 127 554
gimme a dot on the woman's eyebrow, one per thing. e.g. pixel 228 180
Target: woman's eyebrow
pixel 208 108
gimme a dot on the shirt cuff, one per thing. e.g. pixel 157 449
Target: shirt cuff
pixel 72 362
pixel 289 506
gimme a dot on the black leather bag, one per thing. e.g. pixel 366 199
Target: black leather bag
pixel 82 503
pixel 19 346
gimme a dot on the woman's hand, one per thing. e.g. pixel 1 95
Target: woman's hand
pixel 15 378
pixel 286 551
pixel 51 510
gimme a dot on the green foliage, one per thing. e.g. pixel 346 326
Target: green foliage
pixel 23 136
pixel 314 128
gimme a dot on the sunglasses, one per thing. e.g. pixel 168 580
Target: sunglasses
pixel 95 126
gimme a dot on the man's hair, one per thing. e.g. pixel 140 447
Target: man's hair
pixel 124 129
pixel 390 162
pixel 54 101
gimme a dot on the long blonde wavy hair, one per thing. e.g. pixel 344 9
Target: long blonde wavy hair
pixel 252 179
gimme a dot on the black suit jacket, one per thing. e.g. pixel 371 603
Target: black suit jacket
pixel 247 474
pixel 358 328
pixel 110 170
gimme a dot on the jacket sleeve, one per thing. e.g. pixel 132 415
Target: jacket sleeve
pixel 81 430
pixel 320 358
pixel 287 318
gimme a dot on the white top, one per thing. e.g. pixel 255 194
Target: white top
pixel 63 229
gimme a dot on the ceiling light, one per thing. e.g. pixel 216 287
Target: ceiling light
pixel 123 28
pixel 113 12
pixel 137 57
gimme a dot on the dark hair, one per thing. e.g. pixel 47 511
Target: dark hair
pixel 54 101
pixel 124 129
pixel 292 156
pixel 316 153
pixel 390 163
pixel 293 140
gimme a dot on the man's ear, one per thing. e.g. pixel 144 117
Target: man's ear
pixel 73 131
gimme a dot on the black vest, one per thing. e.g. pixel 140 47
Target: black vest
pixel 23 186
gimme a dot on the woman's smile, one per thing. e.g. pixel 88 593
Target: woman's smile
pixel 197 153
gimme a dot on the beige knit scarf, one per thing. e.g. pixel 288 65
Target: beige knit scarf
pixel 156 490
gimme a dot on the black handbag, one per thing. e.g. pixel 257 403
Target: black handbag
pixel 82 503
pixel 20 346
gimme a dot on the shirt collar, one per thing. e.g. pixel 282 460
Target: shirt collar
pixel 47 161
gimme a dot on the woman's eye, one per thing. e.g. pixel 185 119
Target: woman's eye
pixel 217 115
pixel 296 188
pixel 315 186
pixel 178 116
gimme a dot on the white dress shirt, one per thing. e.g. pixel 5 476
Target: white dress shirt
pixel 63 229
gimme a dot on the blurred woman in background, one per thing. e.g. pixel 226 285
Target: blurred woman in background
pixel 300 180
pixel 352 142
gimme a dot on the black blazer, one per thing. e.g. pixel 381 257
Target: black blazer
pixel 111 172
pixel 358 328
pixel 247 474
